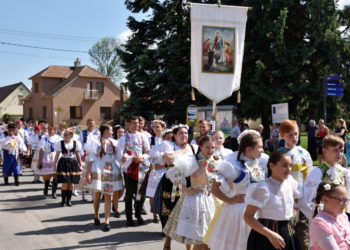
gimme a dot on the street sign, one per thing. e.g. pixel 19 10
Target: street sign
pixel 335 89
pixel 334 84
pixel 59 109
pixel 335 94
pixel 333 78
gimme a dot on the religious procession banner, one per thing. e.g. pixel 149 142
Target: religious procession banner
pixel 217 46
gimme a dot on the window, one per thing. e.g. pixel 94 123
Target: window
pixel 106 113
pixel 30 113
pixel 44 112
pixel 20 100
pixel 75 112
pixel 99 87
pixel 36 87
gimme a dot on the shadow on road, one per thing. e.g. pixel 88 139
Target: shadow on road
pixel 82 217
pixel 14 190
pixel 131 238
pixel 26 198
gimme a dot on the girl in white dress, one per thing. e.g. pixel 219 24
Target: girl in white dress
pixel 68 166
pixel 219 138
pixel 157 167
pixel 274 201
pixel 118 131
pixel 235 175
pixel 167 194
pixel 46 160
pixel 103 173
pixel 33 143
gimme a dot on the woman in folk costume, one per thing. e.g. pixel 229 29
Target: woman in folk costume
pixel 11 144
pixel 235 174
pixel 192 214
pixel 68 166
pixel 46 160
pixel 220 150
pixel 157 168
pixel 167 195
pixel 103 173
pixel 33 147
pixel 272 201
pixel 118 132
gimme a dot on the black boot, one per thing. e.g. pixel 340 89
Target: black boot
pixel 128 213
pixel 69 197
pixel 6 180
pixel 46 188
pixel 138 209
pixel 17 183
pixel 54 188
pixel 63 194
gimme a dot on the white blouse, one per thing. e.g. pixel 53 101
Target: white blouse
pixel 274 199
pixel 44 143
pixel 223 152
pixel 34 140
pixel 157 141
pixel 232 170
pixel 68 146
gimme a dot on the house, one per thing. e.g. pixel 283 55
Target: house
pixel 71 94
pixel 11 99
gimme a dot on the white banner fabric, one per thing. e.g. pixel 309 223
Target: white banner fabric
pixel 217 46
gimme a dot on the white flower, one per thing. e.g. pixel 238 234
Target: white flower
pixel 336 182
pixel 321 206
pixel 327 187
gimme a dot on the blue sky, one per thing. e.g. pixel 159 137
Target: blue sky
pixel 63 24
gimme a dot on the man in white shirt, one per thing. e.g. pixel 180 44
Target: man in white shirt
pixel 203 127
pixel 132 153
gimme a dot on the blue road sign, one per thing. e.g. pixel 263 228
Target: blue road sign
pixel 334 84
pixel 333 78
pixel 336 89
pixel 335 94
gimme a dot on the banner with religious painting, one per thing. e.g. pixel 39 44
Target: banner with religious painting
pixel 217 46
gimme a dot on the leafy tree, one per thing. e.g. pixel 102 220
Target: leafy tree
pixel 290 45
pixel 104 55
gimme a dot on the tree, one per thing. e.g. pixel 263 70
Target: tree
pixel 289 46
pixel 104 55
pixel 157 60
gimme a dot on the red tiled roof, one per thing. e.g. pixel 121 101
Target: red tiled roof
pixel 54 71
pixel 90 72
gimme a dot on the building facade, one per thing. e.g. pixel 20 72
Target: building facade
pixel 71 94
pixel 12 99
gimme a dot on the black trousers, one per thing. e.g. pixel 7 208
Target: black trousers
pixel 130 192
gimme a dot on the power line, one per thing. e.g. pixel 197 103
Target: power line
pixel 38 47
pixel 47 35
pixel 40 56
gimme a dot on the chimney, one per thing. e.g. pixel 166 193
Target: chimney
pixel 77 62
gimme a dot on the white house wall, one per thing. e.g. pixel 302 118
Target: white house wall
pixel 10 105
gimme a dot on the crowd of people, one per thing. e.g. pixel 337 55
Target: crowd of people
pixel 206 196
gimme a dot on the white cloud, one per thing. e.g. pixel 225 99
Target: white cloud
pixel 124 36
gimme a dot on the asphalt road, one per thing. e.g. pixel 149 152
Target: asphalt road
pixel 30 221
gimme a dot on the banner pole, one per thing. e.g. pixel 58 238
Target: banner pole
pixel 213 117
